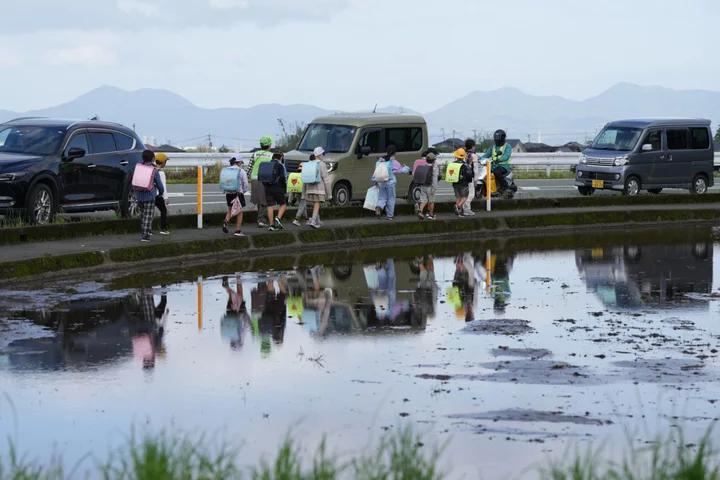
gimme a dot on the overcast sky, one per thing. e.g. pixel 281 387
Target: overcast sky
pixel 351 54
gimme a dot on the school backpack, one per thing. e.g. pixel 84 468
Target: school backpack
pixel 229 179
pixel 294 183
pixel 382 174
pixel 452 174
pixel 423 175
pixel 311 172
pixel 144 178
pixel 269 172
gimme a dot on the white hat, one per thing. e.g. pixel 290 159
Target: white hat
pixel 319 151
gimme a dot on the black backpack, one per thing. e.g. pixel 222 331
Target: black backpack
pixel 466 173
pixel 269 172
pixel 423 175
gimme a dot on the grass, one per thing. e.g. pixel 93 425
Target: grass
pixel 398 455
pixel 189 175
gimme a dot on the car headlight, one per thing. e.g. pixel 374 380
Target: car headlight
pixel 580 173
pixel 583 158
pixel 331 166
pixel 9 177
pixel 620 161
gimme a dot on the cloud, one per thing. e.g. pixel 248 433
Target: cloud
pixel 123 15
pixel 82 55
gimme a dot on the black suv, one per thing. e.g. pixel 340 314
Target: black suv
pixel 50 165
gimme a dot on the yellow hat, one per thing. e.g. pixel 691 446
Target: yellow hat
pixel 161 159
pixel 460 154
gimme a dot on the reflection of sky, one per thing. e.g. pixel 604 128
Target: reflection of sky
pixel 201 384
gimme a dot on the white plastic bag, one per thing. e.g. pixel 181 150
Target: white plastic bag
pixel 382 174
pixel 236 207
pixel 371 198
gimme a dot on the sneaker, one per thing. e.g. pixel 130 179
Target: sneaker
pixel 316 225
pixel 390 218
pixel 273 229
pixel 238 233
pixel 225 226
pixel 151 234
pixel 469 214
pixel 420 215
pixel 431 216
pixel 278 224
pixel 145 239
pixel 164 232
pixel 296 222
pixel 262 225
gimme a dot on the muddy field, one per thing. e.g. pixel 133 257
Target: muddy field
pixel 524 355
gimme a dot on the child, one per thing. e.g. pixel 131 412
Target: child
pixel 318 192
pixel 462 186
pixel 302 206
pixel 239 194
pixel 387 194
pixel 275 194
pixel 427 192
pixel 162 201
pixel 473 162
pixel 146 200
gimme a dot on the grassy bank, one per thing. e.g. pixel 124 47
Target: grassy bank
pixel 399 455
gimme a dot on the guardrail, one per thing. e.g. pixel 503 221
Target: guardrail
pixel 529 161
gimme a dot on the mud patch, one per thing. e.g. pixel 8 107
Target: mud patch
pixel 499 327
pixel 532 416
pixel 531 353
pixel 671 370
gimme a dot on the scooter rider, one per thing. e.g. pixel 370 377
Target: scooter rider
pixel 500 154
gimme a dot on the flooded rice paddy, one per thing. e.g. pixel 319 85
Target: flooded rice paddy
pixel 513 357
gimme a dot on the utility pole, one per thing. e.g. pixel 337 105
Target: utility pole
pixel 210 141
pixel 453 138
pixel 443 133
pixel 133 126
pixel 475 137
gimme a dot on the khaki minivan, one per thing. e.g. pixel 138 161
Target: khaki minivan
pixel 354 143
pixel 634 155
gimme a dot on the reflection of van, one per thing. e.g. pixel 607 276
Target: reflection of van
pixel 634 155
pixel 637 277
pixel 354 143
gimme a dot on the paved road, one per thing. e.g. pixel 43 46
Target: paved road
pixel 183 198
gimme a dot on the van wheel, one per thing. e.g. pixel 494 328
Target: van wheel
pixel 586 191
pixel 41 205
pixel 129 204
pixel 414 193
pixel 342 195
pixel 699 185
pixel 655 191
pixel 632 187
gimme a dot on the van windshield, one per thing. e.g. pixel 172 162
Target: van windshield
pixel 333 138
pixel 621 139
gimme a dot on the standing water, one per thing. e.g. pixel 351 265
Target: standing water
pixel 503 354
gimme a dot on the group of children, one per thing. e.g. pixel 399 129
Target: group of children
pixel 268 184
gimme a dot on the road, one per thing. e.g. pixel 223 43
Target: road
pixel 183 198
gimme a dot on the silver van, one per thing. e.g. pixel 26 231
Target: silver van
pixel 651 154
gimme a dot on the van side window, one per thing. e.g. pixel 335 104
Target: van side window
pixel 699 138
pixel 372 138
pixel 654 139
pixel 677 139
pixel 405 139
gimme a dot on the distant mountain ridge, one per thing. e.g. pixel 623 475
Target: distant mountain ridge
pixel 172 118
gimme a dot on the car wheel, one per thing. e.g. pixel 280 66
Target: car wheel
pixel 342 272
pixel 129 205
pixel 41 205
pixel 632 187
pixel 586 191
pixel 699 185
pixel 633 253
pixel 342 195
pixel 700 251
pixel 655 191
pixel 480 191
pixel 414 194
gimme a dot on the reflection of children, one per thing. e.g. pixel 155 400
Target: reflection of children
pixel 464 281
pixel 426 293
pixel 501 284
pixel 236 321
pixel 274 316
pixel 149 333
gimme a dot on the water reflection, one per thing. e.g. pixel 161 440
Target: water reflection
pixel 659 276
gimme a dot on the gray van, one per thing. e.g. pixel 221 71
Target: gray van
pixel 354 142
pixel 650 154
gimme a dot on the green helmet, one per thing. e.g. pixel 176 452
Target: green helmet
pixel 266 141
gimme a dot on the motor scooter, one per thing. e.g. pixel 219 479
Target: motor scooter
pixel 481 184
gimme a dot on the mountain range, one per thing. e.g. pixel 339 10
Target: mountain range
pixel 169 117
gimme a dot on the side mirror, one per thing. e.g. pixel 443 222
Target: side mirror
pixel 74 153
pixel 647 148
pixel 365 151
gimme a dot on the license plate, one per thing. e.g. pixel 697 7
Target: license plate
pixel 597 184
pixel 597 252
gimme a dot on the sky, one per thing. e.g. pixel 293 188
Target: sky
pixel 351 54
